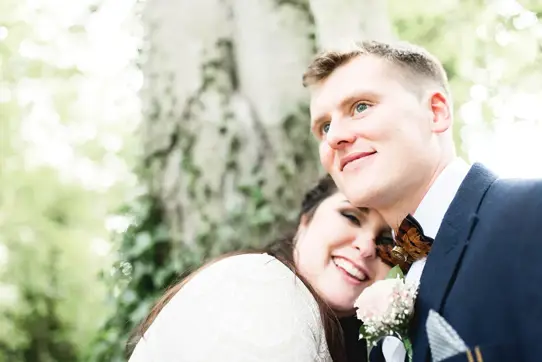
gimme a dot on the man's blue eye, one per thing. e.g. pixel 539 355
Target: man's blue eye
pixel 325 128
pixel 361 107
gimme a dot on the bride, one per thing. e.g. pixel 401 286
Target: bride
pixel 291 301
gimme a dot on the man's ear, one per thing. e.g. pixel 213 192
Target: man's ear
pixel 442 114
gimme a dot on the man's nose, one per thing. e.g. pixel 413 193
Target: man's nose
pixel 339 135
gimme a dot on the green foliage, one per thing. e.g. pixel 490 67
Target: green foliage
pixel 48 263
pixel 145 266
pixel 53 206
pixel 490 51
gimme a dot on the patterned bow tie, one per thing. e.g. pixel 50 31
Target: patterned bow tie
pixel 410 245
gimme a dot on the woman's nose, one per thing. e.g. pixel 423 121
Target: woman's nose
pixel 366 245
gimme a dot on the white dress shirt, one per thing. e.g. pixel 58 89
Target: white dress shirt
pixel 429 215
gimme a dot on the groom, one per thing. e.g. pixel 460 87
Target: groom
pixel 382 114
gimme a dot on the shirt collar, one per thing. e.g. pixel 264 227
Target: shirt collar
pixel 439 197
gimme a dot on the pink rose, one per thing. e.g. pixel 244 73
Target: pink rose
pixel 376 300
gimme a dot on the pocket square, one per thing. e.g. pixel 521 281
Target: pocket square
pixel 444 341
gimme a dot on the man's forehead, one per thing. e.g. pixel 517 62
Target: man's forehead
pixel 351 81
pixel 360 67
pixel 365 74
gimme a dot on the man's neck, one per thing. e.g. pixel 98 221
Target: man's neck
pixel 396 213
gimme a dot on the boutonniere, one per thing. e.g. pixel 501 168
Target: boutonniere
pixel 386 307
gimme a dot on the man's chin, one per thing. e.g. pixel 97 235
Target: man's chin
pixel 359 197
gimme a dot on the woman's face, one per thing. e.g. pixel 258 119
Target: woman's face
pixel 335 251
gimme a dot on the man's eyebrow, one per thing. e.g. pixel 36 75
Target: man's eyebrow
pixel 349 100
pixel 356 96
pixel 318 120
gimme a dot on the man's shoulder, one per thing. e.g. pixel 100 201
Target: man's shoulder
pixel 514 199
pixel 498 196
pixel 517 188
pixel 509 187
pixel 528 183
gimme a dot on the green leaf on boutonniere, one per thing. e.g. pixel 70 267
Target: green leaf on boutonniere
pixel 395 272
pixel 362 332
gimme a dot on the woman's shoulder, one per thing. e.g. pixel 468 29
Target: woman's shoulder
pixel 247 266
pixel 243 306
pixel 245 261
pixel 259 277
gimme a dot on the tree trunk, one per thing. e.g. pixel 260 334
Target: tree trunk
pixel 341 22
pixel 226 134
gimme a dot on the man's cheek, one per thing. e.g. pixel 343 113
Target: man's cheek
pixel 326 156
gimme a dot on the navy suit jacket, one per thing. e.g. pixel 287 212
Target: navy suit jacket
pixel 484 271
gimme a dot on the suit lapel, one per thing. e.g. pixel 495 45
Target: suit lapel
pixel 376 354
pixel 447 251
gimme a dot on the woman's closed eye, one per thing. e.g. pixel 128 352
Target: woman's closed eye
pixel 354 219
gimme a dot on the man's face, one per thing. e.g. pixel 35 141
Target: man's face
pixel 376 137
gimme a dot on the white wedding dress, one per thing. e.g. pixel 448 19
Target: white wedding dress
pixel 243 308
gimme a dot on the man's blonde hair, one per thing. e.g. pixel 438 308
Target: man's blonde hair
pixel 415 64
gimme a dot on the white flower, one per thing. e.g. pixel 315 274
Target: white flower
pixel 386 306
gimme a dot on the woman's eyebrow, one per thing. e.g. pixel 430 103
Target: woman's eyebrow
pixel 363 210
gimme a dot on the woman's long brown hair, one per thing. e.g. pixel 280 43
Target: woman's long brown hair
pixel 283 250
